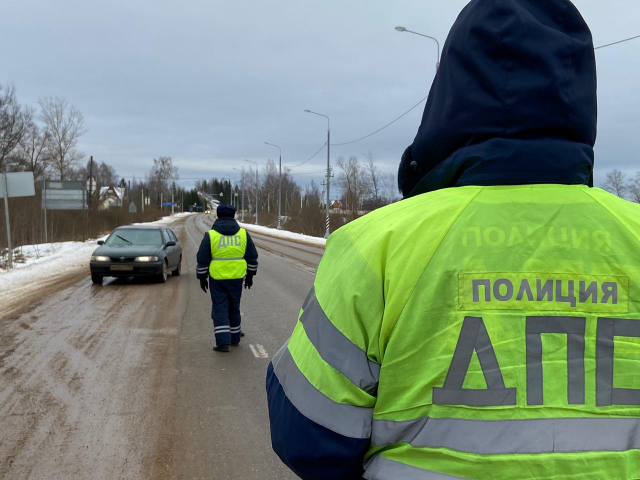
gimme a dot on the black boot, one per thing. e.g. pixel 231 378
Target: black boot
pixel 221 348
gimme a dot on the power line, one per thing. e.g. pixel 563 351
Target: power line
pixel 308 173
pixel 417 104
pixel 311 158
pixel 616 43
pixel 387 125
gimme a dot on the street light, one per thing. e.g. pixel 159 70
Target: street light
pixel 257 187
pixel 402 29
pixel 279 186
pixel 327 224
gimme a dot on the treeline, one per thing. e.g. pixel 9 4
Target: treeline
pixel 357 188
pixel 44 140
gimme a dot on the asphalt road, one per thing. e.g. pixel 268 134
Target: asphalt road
pixel 119 381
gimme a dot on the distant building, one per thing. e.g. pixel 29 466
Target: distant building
pixel 111 197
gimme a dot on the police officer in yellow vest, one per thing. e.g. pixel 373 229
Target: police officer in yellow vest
pixel 487 326
pixel 226 256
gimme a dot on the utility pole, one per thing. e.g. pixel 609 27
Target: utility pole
pixel 279 186
pixel 89 192
pixel 257 187
pixel 173 187
pixel 327 222
pixel 243 188
pixel 242 199
pixel 142 195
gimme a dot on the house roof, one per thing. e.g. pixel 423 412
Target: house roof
pixel 118 191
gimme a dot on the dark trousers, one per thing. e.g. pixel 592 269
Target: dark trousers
pixel 225 310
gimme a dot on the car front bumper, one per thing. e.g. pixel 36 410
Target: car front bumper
pixel 133 269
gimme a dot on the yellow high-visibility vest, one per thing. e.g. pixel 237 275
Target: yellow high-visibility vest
pixel 227 255
pixel 479 333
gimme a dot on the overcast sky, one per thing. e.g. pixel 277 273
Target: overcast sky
pixel 207 82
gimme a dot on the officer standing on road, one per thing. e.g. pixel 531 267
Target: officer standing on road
pixel 226 256
pixel 471 330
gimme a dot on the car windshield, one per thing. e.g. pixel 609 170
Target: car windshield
pixel 132 236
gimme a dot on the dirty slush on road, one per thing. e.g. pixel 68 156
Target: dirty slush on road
pixel 88 379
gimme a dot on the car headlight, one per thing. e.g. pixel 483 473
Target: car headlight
pixel 99 258
pixel 146 259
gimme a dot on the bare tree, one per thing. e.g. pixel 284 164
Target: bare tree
pixel 312 214
pixel 615 183
pixel 390 188
pixel 65 125
pixel 161 176
pixel 32 153
pixel 633 187
pixel 269 188
pixel 374 174
pixel 105 175
pixel 355 183
pixel 14 122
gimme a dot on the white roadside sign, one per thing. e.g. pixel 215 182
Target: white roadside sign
pixel 20 184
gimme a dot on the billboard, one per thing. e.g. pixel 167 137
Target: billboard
pixel 59 195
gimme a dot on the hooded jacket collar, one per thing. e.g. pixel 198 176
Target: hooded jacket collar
pixel 226 226
pixel 514 101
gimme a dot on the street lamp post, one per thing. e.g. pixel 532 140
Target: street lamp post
pixel 327 223
pixel 279 186
pixel 402 29
pixel 257 187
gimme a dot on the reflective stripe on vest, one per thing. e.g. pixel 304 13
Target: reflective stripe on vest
pixel 380 468
pixel 347 420
pixel 494 437
pixel 227 255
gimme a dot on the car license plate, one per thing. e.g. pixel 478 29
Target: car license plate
pixel 122 268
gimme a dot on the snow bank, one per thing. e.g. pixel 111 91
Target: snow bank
pixel 283 234
pixel 167 220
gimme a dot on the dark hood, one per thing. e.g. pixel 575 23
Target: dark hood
pixel 226 211
pixel 514 101
pixel 226 226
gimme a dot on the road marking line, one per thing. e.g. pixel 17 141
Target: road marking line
pixel 258 351
pixel 263 352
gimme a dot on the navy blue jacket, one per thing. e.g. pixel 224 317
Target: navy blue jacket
pixel 225 226
pixel 514 102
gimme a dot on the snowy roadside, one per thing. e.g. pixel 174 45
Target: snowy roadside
pixel 205 223
pixel 284 235
pixel 39 263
